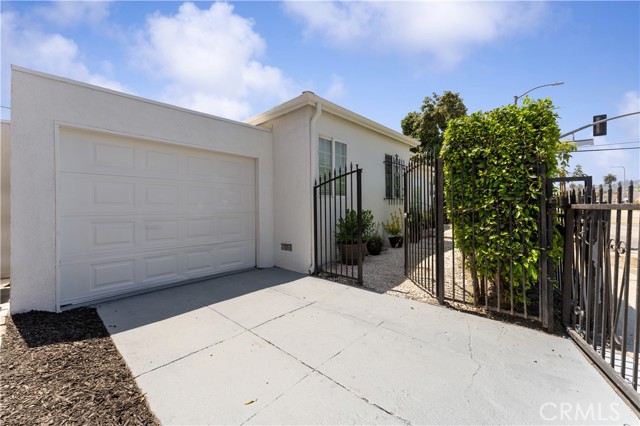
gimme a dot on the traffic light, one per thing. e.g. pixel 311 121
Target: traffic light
pixel 600 129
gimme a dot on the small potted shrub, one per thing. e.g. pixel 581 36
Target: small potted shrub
pixel 374 243
pixel 347 235
pixel 393 228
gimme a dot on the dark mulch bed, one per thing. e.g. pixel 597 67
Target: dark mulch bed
pixel 64 369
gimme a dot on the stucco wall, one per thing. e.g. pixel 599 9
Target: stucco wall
pixel 40 103
pixel 367 149
pixel 295 154
pixel 5 201
pixel 292 190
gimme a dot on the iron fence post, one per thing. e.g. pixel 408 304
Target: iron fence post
pixel 567 271
pixel 404 219
pixel 359 207
pixel 315 228
pixel 440 230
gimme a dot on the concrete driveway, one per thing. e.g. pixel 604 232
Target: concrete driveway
pixel 275 347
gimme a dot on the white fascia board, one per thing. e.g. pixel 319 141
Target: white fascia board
pixel 310 98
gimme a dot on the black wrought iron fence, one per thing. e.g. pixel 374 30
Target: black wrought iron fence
pixel 337 209
pixel 601 286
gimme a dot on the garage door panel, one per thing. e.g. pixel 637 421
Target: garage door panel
pixel 219 197
pixel 165 266
pixel 90 278
pixel 162 163
pixel 97 194
pixel 93 235
pixel 238 227
pixel 82 236
pixel 81 194
pixel 161 231
pixel 90 152
pixel 233 256
pixel 137 214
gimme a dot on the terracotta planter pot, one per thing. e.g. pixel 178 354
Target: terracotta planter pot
pixel 396 242
pixel 349 253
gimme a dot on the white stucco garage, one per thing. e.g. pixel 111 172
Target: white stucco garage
pixel 114 194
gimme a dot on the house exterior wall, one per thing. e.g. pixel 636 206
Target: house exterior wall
pixel 293 191
pixel 40 104
pixel 295 156
pixel 367 149
pixel 5 201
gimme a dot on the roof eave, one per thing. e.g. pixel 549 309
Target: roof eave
pixel 310 99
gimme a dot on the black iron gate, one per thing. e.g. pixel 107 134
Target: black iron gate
pixel 463 277
pixel 337 230
pixel 423 224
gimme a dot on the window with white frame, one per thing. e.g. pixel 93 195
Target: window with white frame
pixel 332 160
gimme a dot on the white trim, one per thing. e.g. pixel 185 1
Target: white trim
pixel 127 95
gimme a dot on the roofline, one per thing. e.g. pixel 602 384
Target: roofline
pixel 311 99
pixel 127 95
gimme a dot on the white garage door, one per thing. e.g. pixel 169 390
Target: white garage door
pixel 134 214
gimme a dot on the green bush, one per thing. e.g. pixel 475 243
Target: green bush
pixel 491 168
pixel 347 227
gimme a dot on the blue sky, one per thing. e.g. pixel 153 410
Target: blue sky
pixel 379 59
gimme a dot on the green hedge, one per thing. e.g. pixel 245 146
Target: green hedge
pixel 492 169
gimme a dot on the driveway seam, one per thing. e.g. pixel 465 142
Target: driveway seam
pixel 189 354
pixel 313 369
pixel 405 421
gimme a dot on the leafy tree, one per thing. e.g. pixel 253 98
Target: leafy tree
pixel 610 179
pixel 429 124
pixel 577 171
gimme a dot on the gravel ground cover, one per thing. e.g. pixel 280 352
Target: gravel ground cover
pixel 63 369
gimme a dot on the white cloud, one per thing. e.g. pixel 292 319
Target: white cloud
pixel 71 13
pixel 447 30
pixel 46 52
pixel 337 89
pixel 630 102
pixel 209 60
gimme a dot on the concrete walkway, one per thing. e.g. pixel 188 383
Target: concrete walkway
pixel 275 347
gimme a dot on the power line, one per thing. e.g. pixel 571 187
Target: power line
pixel 619 143
pixel 2 106
pixel 607 149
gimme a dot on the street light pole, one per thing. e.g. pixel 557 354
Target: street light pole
pixel 515 98
pixel 624 174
